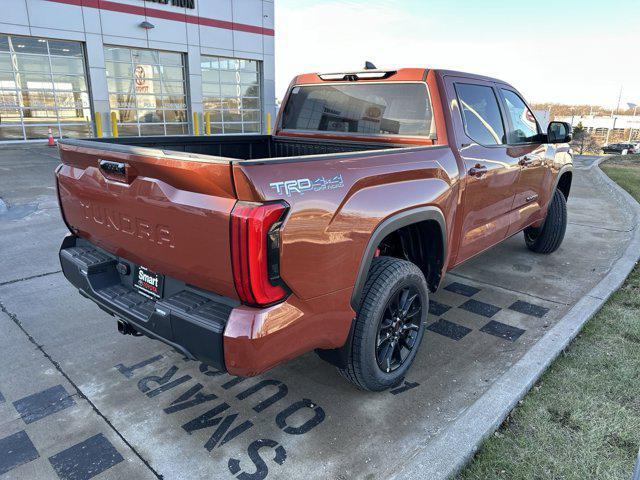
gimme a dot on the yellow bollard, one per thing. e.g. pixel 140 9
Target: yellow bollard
pixel 268 123
pixel 98 125
pixel 196 127
pixel 207 123
pixel 114 124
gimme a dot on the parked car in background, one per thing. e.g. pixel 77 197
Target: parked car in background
pixel 621 148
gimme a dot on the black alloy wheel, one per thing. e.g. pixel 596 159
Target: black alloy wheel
pixel 398 329
pixel 389 325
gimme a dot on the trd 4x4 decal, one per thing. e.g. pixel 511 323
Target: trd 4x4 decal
pixel 302 185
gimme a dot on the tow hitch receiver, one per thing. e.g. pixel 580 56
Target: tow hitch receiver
pixel 126 329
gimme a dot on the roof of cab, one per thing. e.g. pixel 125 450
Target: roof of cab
pixel 399 75
pixel 455 73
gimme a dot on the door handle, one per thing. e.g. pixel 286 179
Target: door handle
pixel 524 161
pixel 478 171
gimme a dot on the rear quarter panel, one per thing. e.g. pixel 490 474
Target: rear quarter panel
pixel 327 229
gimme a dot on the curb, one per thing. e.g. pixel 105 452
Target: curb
pixel 22 144
pixel 437 460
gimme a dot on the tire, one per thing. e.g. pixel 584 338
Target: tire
pixel 548 238
pixel 373 368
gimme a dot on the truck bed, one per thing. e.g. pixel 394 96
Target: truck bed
pixel 145 198
pixel 240 147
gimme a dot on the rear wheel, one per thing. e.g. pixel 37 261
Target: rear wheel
pixel 548 237
pixel 389 325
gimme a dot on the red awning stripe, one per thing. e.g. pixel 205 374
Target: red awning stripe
pixel 178 17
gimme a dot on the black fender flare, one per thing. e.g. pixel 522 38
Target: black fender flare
pixel 395 222
pixel 564 169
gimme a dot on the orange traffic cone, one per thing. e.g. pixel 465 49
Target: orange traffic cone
pixel 52 142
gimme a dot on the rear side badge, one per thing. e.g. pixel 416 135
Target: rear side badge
pixel 303 185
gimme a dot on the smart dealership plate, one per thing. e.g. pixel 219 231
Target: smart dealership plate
pixel 148 282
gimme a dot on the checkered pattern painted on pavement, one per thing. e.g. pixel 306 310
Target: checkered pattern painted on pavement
pixel 81 461
pixel 446 305
pixel 457 313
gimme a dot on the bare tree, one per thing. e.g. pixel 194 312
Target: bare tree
pixel 560 110
pixel 583 141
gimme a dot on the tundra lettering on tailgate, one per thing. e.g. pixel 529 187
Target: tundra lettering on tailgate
pixel 127 224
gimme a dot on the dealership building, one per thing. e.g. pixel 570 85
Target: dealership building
pixel 607 128
pixel 135 67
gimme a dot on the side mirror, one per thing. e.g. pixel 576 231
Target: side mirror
pixel 559 132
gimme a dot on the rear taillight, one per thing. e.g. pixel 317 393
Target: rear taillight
pixel 255 252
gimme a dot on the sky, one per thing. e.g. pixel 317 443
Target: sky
pixel 562 51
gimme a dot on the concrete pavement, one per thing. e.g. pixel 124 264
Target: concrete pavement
pixel 79 400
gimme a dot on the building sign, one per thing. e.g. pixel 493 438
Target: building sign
pixel 141 73
pixel 143 76
pixel 176 3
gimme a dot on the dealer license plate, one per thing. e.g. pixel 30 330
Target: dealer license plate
pixel 148 282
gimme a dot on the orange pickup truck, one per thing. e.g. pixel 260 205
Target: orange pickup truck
pixel 244 251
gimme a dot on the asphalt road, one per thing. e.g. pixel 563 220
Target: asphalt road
pixel 79 400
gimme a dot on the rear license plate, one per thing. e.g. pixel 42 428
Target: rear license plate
pixel 148 282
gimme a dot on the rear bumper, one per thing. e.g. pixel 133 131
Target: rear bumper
pixel 215 330
pixel 188 319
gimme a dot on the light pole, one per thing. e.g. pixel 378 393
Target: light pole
pixel 619 98
pixel 609 131
pixel 635 107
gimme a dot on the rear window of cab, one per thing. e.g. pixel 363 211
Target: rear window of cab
pixel 396 108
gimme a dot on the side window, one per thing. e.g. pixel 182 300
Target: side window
pixel 524 126
pixel 480 113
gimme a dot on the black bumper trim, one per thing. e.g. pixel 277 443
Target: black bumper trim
pixel 188 320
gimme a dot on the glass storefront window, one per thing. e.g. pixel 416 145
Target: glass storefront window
pixel 61 65
pixel 176 128
pixel 5 60
pixel 231 94
pixel 147 91
pixel 65 49
pixel 43 85
pixel 30 45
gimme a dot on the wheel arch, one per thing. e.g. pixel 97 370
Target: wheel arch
pixel 563 182
pixel 429 220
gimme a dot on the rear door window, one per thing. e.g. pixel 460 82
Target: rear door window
pixel 480 113
pixel 361 108
pixel 524 127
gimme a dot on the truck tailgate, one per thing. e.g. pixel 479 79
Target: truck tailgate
pixel 168 212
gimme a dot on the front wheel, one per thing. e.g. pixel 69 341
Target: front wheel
pixel 389 325
pixel 548 237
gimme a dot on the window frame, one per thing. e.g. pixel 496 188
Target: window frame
pixel 60 124
pixel 220 125
pixel 433 137
pixel 501 110
pixel 160 95
pixel 503 100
